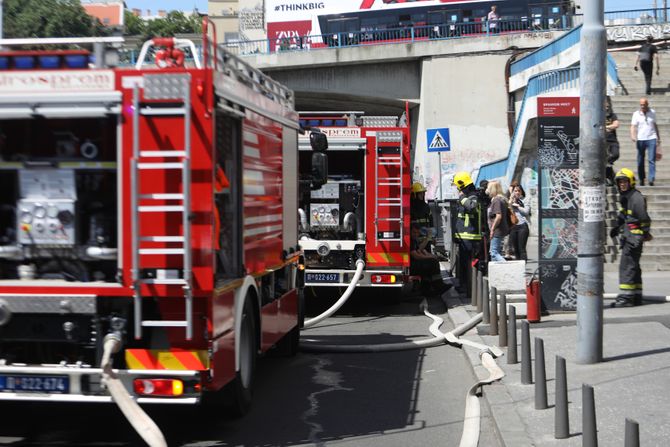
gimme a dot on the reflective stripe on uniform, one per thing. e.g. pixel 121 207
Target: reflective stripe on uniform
pixel 630 286
pixel 469 236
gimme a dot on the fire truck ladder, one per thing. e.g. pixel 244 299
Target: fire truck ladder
pixel 389 157
pixel 174 88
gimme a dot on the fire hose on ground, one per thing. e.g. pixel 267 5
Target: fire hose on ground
pixel 141 422
pixel 487 354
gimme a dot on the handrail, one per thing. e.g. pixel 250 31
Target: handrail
pixel 537 85
pixel 545 52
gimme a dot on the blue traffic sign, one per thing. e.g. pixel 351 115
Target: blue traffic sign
pixel 438 140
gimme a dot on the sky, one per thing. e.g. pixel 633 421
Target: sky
pixel 187 5
pixel 168 5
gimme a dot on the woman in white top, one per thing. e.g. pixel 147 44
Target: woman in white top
pixel 518 236
pixel 644 133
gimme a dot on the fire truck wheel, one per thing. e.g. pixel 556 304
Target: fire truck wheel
pixel 239 390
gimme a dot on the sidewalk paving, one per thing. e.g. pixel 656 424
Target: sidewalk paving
pixel 632 381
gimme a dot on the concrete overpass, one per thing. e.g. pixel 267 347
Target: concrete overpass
pixel 456 83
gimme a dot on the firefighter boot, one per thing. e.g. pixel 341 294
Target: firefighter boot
pixel 627 300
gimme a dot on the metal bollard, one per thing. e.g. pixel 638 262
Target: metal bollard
pixel 561 418
pixel 540 376
pixel 589 429
pixel 526 368
pixel 478 288
pixel 632 438
pixel 502 335
pixel 511 337
pixel 485 293
pixel 486 309
pixel 472 288
pixel 494 311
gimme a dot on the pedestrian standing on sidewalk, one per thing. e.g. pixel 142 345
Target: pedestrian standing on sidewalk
pixel 611 125
pixel 633 224
pixel 645 134
pixel 518 235
pixel 498 223
pixel 645 60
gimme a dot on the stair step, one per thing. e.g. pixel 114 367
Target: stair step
pixel 160 208
pixel 167 165
pixel 162 111
pixel 162 238
pixel 162 196
pixel 163 323
pixel 161 251
pixel 162 154
pixel 165 282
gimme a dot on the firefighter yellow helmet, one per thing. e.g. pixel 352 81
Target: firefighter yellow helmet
pixel 462 179
pixel 418 187
pixel 627 174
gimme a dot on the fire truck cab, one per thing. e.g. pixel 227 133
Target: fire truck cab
pixel 362 212
pixel 158 204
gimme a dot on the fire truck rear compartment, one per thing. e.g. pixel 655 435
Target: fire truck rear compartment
pixel 58 210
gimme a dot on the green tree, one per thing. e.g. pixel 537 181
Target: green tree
pixel 175 22
pixel 48 18
pixel 134 25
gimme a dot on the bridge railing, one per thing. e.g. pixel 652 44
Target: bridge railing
pixel 452 30
pixel 644 16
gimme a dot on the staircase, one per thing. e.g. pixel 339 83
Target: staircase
pixel 656 255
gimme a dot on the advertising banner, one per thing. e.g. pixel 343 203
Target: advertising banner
pixel 558 169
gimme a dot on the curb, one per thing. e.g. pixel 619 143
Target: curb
pixel 508 424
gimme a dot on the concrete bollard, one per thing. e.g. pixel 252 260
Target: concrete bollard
pixel 540 376
pixel 632 438
pixel 526 368
pixel 502 335
pixel 589 426
pixel 486 309
pixel 561 418
pixel 511 337
pixel 494 311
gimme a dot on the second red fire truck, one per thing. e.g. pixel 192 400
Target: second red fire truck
pixel 362 212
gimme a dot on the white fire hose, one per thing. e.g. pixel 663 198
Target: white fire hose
pixel 141 422
pixel 360 265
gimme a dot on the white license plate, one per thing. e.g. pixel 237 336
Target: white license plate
pixel 35 384
pixel 322 277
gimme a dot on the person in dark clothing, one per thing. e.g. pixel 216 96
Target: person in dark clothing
pixel 518 236
pixel 633 224
pixel 468 230
pixel 425 264
pixel 420 212
pixel 645 60
pixel 611 125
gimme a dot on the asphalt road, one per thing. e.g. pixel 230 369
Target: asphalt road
pixel 386 399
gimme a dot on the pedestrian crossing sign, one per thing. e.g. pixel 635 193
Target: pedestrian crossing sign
pixel 438 140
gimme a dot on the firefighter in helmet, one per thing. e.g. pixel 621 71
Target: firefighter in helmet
pixel 420 211
pixel 468 231
pixel 633 225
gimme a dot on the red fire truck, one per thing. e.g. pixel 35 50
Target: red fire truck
pixel 154 203
pixel 362 212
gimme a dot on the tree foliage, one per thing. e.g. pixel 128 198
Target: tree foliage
pixel 48 18
pixel 175 22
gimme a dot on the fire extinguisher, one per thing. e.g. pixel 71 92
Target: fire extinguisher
pixel 533 299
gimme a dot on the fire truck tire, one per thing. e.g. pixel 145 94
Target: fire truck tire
pixel 239 391
pixel 301 307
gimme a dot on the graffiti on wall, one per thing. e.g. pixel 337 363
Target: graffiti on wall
pixel 628 33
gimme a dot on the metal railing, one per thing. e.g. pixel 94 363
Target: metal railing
pixel 555 80
pixel 409 34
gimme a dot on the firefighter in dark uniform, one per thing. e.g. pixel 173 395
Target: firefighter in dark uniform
pixel 420 212
pixel 633 225
pixel 468 229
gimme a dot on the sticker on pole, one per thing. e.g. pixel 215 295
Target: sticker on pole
pixel 592 201
pixel 438 140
